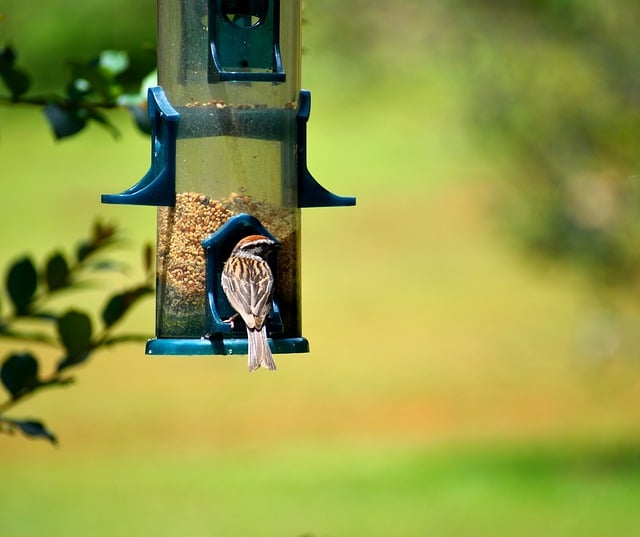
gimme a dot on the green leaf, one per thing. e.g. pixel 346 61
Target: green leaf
pixel 65 120
pixel 136 103
pixel 32 428
pixel 22 282
pixel 119 304
pixel 114 62
pixel 78 89
pixel 7 57
pixel 85 249
pixel 16 80
pixel 91 74
pixel 102 235
pixel 141 118
pixel 19 373
pixel 147 258
pixel 75 331
pixel 100 74
pixel 57 272
pixel 103 120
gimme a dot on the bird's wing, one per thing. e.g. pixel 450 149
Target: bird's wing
pixel 261 294
pixel 239 296
pixel 250 297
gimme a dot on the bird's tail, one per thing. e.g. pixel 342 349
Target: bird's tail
pixel 259 351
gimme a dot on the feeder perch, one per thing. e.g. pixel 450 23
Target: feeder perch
pixel 228 160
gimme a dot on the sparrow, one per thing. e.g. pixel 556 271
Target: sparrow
pixel 247 281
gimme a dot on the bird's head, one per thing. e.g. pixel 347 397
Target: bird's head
pixel 255 245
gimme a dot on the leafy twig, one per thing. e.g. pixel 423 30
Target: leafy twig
pixel 30 290
pixel 93 88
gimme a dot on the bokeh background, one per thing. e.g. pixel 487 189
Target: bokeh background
pixel 473 320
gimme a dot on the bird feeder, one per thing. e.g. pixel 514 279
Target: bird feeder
pixel 228 160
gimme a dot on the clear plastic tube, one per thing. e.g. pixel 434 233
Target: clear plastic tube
pixel 235 153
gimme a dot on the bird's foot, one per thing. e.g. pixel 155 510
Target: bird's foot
pixel 230 320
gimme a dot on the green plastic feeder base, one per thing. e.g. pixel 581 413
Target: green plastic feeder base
pixel 204 346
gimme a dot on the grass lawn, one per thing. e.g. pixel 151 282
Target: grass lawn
pixel 367 490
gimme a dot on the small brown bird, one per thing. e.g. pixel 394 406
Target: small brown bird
pixel 247 282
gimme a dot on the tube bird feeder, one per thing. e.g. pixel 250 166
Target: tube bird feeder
pixel 228 160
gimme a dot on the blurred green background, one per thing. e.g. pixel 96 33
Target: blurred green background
pixel 473 320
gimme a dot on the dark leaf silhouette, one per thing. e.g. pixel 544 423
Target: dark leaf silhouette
pixel 57 272
pixel 31 289
pixel 103 120
pixel 19 373
pixel 22 282
pixel 147 258
pixel 141 118
pixel 102 235
pixel 75 331
pixel 31 428
pixel 119 304
pixel 15 79
pixel 65 120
